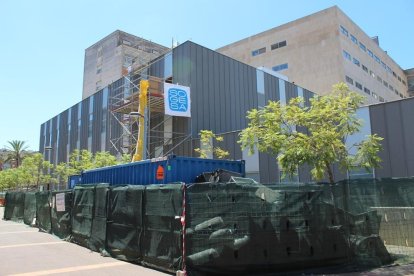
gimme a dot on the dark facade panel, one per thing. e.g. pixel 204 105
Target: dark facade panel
pixel 395 139
pixel 269 171
pixel 206 71
pixel 271 88
pixel 378 126
pixel 291 91
pixel 407 114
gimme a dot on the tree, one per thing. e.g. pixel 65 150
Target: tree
pixel 206 149
pixel 80 160
pixel 314 135
pixel 16 149
pixel 104 159
pixel 36 170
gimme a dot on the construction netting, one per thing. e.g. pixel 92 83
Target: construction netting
pixel 61 213
pixel 125 223
pixel 43 212
pixel 161 246
pixel 239 227
pixel 14 209
pixel 30 208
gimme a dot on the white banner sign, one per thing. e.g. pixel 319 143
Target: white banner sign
pixel 60 202
pixel 177 100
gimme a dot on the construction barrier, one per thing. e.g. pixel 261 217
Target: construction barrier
pixel 231 228
pixel 61 213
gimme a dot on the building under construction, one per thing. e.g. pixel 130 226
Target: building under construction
pixel 222 91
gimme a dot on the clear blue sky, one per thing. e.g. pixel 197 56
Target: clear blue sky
pixel 43 42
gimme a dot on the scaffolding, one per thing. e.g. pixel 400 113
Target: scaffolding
pixel 159 138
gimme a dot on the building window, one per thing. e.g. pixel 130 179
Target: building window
pixel 377 59
pixel 393 73
pixel 372 74
pixel 349 80
pixel 370 53
pixel 390 87
pixel 401 95
pixel 278 45
pixel 396 91
pixel 356 62
pixel 389 69
pixel 98 85
pixel 385 83
pixel 374 95
pixel 358 85
pixel 128 60
pixel 379 79
pixel 344 31
pixel 98 70
pixel 403 81
pixel 354 40
pixel 346 55
pixel 384 65
pixel 364 68
pixel 381 99
pixel 366 90
pixel 362 47
pixel 399 78
pixel 259 51
pixel 280 67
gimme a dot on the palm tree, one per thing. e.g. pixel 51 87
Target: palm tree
pixel 16 149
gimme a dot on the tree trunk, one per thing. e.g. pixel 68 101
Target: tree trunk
pixel 330 173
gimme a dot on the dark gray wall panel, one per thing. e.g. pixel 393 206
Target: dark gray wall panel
pixel 378 126
pixel 407 113
pixel 269 172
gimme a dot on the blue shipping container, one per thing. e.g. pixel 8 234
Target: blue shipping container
pixel 160 171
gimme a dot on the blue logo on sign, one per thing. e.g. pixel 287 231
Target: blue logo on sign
pixel 178 99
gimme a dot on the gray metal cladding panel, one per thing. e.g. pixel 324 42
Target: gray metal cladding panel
pixel 42 138
pixel 97 119
pixel 291 91
pixel 271 88
pixel 269 171
pixel 84 124
pixel 378 126
pixel 157 69
pixel 230 144
pixel 304 173
pixel 395 139
pixel 407 112
pixel 307 95
pixel 222 89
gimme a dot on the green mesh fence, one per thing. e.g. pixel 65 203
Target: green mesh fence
pixel 29 208
pixel 99 217
pixel 82 214
pixel 43 212
pixel 14 209
pixel 61 213
pixel 125 223
pixel 250 228
pixel 161 244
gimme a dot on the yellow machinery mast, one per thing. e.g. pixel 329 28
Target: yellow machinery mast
pixel 143 96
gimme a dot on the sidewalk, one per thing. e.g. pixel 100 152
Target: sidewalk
pixel 26 251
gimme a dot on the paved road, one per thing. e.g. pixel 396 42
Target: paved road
pixel 26 251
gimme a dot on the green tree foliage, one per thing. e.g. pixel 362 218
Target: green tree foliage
pixel 36 170
pixel 16 149
pixel 104 159
pixel 313 135
pixel 206 149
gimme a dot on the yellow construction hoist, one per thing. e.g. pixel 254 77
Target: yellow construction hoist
pixel 143 99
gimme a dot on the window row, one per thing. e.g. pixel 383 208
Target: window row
pixel 372 74
pixel 272 47
pixel 364 89
pixel 363 48
pixel 280 67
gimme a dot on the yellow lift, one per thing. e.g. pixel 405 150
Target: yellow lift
pixel 143 99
